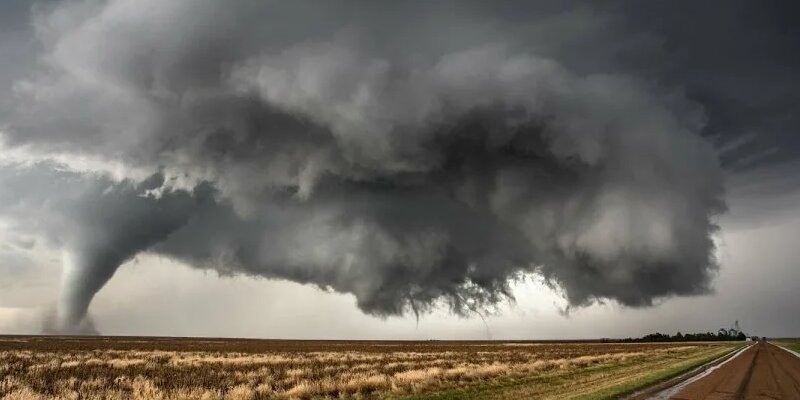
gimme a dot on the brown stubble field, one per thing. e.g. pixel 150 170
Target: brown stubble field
pixel 37 367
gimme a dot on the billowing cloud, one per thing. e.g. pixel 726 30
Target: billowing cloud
pixel 343 147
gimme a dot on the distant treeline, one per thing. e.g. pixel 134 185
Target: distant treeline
pixel 690 337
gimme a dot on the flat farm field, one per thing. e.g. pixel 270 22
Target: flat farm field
pixel 39 367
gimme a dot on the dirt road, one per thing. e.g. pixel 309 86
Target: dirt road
pixel 764 371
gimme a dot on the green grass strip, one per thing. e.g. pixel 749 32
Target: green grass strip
pixel 793 346
pixel 656 377
pixel 497 387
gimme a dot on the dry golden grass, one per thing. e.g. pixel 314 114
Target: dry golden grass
pixel 101 368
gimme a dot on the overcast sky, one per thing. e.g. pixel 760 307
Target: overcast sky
pixel 356 170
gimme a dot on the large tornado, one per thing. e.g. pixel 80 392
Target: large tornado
pixel 84 273
pixel 109 228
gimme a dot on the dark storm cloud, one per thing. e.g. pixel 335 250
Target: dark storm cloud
pixel 737 59
pixel 406 153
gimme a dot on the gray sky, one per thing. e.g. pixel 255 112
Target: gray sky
pixel 340 169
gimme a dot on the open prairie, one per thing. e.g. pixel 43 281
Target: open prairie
pixel 38 367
